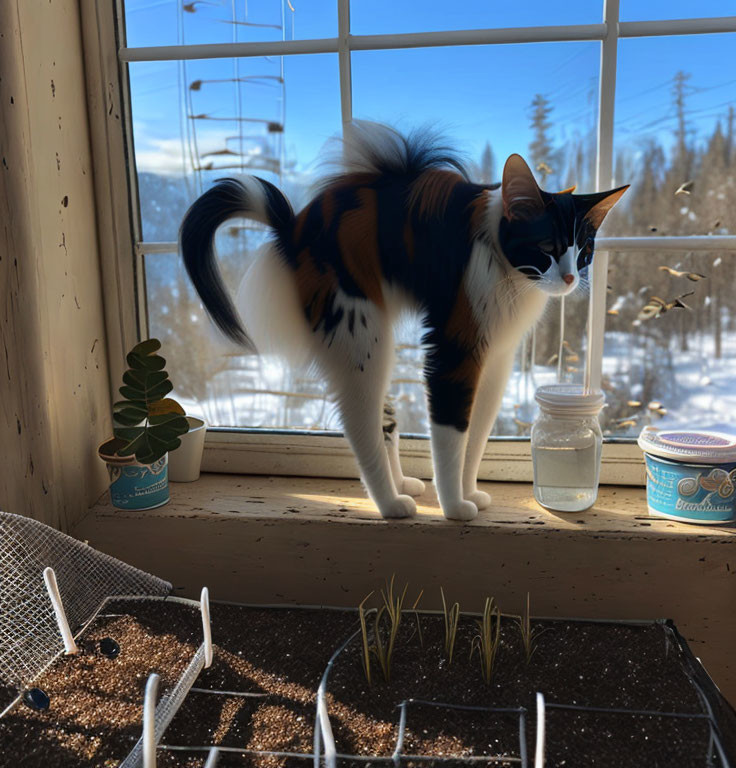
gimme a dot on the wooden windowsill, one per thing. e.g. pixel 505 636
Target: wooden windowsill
pixel 619 510
pixel 257 539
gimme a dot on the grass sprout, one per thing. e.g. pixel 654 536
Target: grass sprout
pixel 366 649
pixel 391 609
pixel 452 617
pixel 416 618
pixel 386 623
pixel 488 639
pixel 528 635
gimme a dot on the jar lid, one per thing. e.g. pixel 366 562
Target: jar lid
pixel 696 445
pixel 570 398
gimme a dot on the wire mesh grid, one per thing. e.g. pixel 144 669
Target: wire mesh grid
pixel 498 759
pixel 325 752
pixel 29 634
pixel 168 706
pixel 29 640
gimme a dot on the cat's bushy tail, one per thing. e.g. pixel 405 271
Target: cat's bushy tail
pixel 250 198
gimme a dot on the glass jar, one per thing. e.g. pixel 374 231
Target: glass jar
pixel 566 447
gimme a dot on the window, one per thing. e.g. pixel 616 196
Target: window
pixel 224 87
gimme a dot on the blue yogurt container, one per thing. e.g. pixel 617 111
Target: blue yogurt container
pixel 691 475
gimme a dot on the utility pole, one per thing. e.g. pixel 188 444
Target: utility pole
pixel 541 147
pixel 682 164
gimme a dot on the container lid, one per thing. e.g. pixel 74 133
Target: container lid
pixel 696 445
pixel 569 399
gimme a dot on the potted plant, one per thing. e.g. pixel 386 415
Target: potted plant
pixel 147 425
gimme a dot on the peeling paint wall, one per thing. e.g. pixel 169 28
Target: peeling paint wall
pixel 54 395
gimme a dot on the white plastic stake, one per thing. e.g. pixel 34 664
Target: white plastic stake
pixel 49 577
pixel 149 722
pixel 212 758
pixel 204 604
pixel 539 750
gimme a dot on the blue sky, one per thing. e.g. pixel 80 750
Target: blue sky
pixel 475 93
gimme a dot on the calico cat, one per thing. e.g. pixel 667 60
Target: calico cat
pixel 401 227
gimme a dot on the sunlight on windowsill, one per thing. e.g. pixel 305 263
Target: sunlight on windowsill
pixel 619 510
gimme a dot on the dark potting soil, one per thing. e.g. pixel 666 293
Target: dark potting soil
pixel 96 702
pixel 279 655
pixel 611 666
pixel 276 657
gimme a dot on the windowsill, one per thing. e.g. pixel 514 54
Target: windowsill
pixel 265 539
pixel 619 510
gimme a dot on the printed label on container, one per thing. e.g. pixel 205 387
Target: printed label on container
pixel 141 487
pixel 698 493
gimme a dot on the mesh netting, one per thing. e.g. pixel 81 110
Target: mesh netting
pixel 29 636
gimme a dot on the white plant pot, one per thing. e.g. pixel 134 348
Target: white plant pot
pixel 186 460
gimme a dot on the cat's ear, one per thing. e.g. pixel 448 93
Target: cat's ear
pixel 522 199
pixel 593 208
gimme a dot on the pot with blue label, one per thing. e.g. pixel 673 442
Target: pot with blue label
pixel 691 475
pixel 134 485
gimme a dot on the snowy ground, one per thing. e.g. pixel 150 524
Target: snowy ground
pixel 694 388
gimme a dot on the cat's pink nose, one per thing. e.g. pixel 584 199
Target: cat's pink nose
pixel 569 279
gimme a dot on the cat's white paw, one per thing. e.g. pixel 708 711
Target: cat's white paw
pixel 481 499
pixel 412 486
pixel 401 506
pixel 464 510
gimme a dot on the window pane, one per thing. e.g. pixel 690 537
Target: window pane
pixel 653 10
pixel 196 121
pixel 210 378
pixel 675 125
pixel 177 22
pixel 678 368
pixel 480 112
pixel 455 90
pixel 394 16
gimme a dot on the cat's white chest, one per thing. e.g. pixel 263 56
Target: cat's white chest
pixel 505 303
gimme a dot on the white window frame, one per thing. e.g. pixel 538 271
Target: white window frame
pixel 324 454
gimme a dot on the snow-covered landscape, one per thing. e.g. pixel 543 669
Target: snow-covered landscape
pixel 695 390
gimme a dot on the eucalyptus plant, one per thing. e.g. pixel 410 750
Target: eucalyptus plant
pixel 148 422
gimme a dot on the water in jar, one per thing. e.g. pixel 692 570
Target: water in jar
pixel 566 475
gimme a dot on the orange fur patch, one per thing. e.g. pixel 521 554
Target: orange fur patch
pixel 430 193
pixel 357 236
